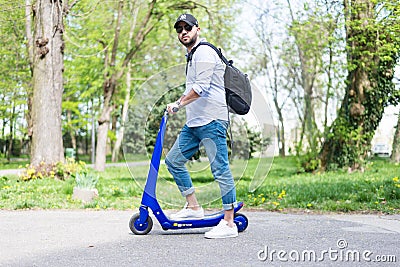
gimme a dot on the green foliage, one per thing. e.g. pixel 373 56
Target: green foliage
pixel 373 43
pixel 86 180
pixel 59 170
pixel 349 145
pixel 270 200
pixel 14 71
pixel 175 122
pixel 89 31
pixel 247 140
pixel 377 189
pixel 308 162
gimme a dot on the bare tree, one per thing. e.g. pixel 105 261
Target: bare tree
pixel 308 49
pixel 269 64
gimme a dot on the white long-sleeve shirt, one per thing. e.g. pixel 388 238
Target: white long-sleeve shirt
pixel 205 75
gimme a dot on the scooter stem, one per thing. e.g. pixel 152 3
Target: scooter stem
pixel 150 187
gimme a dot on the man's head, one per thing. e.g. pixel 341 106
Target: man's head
pixel 188 29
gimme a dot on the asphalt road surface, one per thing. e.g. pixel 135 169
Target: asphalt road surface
pixel 103 238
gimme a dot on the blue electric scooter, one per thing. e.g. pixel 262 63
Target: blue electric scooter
pixel 141 223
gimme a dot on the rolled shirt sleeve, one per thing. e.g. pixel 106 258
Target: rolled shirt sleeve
pixel 204 65
pixel 205 76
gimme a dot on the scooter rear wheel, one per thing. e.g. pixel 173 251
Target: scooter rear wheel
pixel 241 221
pixel 139 228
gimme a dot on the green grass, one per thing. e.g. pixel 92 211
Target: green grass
pixel 375 190
pixel 13 164
pixel 22 162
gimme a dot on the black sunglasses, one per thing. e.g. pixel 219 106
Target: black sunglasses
pixel 187 27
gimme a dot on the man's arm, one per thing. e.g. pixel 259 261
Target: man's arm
pixel 204 72
pixel 182 101
pixel 189 98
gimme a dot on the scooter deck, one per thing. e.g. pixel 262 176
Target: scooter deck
pixel 209 220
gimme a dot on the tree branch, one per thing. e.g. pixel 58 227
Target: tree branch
pixel 28 29
pixel 116 33
pixel 145 29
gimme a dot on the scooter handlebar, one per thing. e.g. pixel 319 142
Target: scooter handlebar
pixel 174 109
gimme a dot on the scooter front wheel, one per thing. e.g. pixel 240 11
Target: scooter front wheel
pixel 241 221
pixel 140 228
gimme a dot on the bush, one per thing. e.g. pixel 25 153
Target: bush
pixel 308 163
pixel 59 170
pixel 86 180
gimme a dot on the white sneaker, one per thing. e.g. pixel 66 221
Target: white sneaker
pixel 188 213
pixel 222 230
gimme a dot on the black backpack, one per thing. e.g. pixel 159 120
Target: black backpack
pixel 237 85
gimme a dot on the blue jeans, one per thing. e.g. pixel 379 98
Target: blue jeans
pixel 213 137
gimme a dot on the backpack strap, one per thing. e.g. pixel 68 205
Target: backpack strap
pixel 227 62
pixel 217 50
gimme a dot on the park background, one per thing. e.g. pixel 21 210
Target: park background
pixel 73 71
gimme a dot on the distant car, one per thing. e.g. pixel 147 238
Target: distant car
pixel 381 150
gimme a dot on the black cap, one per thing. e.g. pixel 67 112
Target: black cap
pixel 188 18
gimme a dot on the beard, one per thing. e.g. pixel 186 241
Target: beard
pixel 189 42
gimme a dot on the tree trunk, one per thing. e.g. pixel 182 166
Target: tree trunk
pixel 30 50
pixel 11 138
pixel 125 108
pixel 109 86
pixel 309 121
pixel 282 148
pixel 329 87
pixel 104 126
pixel 71 131
pixel 309 70
pixel 4 146
pixel 111 79
pixel 369 87
pixel 396 143
pixel 93 136
pixel 281 133
pixel 48 66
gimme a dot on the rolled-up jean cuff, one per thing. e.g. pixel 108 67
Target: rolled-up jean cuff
pixel 188 192
pixel 230 206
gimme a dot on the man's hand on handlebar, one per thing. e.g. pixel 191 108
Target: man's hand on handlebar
pixel 173 108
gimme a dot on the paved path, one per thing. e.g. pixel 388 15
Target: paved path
pixel 10 172
pixel 102 238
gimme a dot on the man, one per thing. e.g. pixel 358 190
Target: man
pixel 206 124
